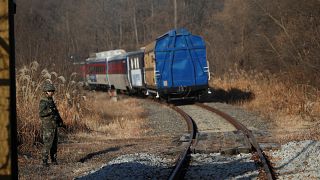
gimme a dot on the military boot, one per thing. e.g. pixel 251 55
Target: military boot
pixel 54 159
pixel 54 162
pixel 45 163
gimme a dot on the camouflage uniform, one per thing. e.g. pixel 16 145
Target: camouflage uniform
pixel 51 119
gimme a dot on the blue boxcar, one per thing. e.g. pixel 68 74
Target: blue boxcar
pixel 181 67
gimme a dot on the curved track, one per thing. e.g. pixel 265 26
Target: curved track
pixel 183 158
pixel 265 163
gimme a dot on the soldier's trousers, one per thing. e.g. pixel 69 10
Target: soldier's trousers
pixel 50 143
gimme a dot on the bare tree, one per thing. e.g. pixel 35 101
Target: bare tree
pixel 135 24
pixel 256 34
pixel 175 13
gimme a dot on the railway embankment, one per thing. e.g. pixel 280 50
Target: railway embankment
pixel 146 142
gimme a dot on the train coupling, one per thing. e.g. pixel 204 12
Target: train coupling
pixel 209 91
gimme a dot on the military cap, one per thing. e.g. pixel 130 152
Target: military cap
pixel 48 87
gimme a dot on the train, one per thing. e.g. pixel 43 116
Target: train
pixel 172 67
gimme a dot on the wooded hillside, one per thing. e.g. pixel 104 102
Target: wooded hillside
pixel 278 36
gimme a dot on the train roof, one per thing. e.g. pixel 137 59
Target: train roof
pixel 104 55
pixel 150 47
pixel 124 56
pixel 95 60
pixel 110 53
pixel 175 32
pixel 135 52
pixel 118 57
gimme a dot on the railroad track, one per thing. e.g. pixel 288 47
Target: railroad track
pixel 178 171
pixel 183 160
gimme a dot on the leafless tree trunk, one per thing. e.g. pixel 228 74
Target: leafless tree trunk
pixel 152 9
pixel 120 32
pixel 175 14
pixel 135 24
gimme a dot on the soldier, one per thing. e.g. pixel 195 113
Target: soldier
pixel 50 119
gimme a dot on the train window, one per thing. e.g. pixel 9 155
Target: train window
pixel 136 62
pixel 100 70
pixel 131 62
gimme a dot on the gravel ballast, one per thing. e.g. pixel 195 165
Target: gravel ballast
pixel 216 166
pixel 206 120
pixel 162 120
pixel 294 160
pixel 249 119
pixel 133 166
pixel 297 160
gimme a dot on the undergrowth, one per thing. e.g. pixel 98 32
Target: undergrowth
pixel 291 106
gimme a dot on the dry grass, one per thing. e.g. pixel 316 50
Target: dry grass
pixel 292 107
pixel 29 81
pixel 92 113
pixel 122 119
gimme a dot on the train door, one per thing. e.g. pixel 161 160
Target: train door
pixel 135 66
pixel 150 66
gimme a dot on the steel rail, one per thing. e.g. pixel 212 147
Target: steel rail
pixel 248 134
pixel 177 171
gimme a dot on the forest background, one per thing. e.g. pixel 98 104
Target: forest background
pixel 268 48
pixel 279 35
